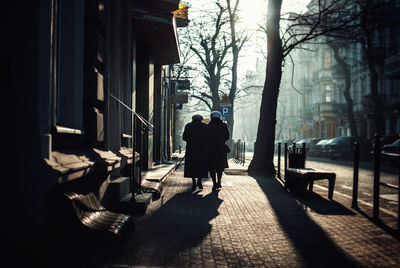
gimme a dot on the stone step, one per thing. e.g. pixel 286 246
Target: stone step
pixel 135 205
pixel 119 188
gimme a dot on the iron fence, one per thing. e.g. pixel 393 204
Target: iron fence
pixel 240 152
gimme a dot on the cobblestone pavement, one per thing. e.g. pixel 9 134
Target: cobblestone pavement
pixel 253 222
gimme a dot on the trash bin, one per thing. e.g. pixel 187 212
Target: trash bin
pixel 297 158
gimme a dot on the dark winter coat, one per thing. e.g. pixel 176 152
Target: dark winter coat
pixel 195 135
pixel 218 134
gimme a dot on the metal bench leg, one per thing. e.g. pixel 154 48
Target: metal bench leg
pixel 331 187
pixel 310 186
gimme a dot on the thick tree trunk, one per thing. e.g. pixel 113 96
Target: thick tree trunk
pixel 371 53
pixel 344 68
pixel 262 162
pixel 377 103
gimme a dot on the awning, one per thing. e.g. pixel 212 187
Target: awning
pixel 157 30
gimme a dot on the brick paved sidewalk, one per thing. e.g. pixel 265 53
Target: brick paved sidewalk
pixel 253 222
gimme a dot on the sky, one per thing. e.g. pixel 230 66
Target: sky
pixel 253 10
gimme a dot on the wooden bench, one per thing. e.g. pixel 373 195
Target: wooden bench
pixel 297 179
pixel 83 215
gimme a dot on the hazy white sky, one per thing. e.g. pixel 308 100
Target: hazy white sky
pixel 252 11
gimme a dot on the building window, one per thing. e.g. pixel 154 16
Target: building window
pixel 328 93
pixel 328 59
pixel 69 102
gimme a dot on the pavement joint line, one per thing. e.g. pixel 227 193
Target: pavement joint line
pixel 360 201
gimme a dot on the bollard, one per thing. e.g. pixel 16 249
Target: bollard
pixel 244 152
pixel 398 192
pixel 376 176
pixel 285 160
pixel 303 152
pixel 236 151
pixel 180 149
pixel 279 160
pixel 354 203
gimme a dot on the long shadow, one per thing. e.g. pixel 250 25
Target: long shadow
pixel 381 224
pixel 320 205
pixel 310 240
pixel 181 223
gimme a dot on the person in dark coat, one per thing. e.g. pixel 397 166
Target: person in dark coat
pixel 195 135
pixel 218 134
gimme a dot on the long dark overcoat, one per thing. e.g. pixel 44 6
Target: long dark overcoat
pixel 218 134
pixel 195 135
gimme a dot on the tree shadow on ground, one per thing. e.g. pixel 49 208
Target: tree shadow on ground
pixel 313 244
pixel 180 224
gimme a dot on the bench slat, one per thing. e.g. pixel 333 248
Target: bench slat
pixel 91 213
pixel 307 176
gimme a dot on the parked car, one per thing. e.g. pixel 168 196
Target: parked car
pixel 291 142
pixel 310 142
pixel 344 147
pixel 384 140
pixel 324 148
pixel 389 139
pixel 392 147
pixel 299 143
pixel 311 145
pixel 391 151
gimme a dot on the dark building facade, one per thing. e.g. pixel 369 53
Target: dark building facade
pixel 87 86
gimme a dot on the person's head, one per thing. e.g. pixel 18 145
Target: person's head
pixel 215 115
pixel 197 117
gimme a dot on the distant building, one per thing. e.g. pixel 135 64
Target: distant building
pixel 312 102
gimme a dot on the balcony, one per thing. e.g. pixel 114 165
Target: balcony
pixel 322 75
pixel 392 67
pixel 327 107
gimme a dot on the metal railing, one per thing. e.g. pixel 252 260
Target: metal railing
pixel 240 152
pixel 145 127
pixel 377 153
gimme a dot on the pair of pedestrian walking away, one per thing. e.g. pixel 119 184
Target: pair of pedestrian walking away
pixel 206 150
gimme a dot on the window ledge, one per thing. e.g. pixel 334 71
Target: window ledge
pixel 67 130
pixel 71 165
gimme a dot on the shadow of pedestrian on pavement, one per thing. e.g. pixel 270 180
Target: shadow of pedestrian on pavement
pixel 173 230
pixel 313 244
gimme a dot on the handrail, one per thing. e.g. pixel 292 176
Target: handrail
pixel 150 127
pixel 144 121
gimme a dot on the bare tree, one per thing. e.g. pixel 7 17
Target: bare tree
pixel 216 44
pixel 210 43
pixel 343 69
